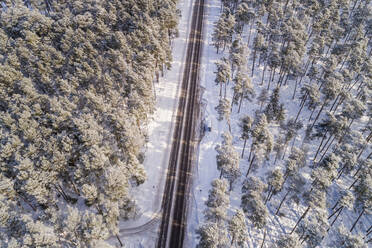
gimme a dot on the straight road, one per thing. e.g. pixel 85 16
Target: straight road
pixel 176 193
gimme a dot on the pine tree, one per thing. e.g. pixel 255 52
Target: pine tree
pixel 345 239
pixel 246 128
pixel 252 201
pixel 262 98
pixel 224 28
pixel 273 107
pixel 217 202
pixel 363 195
pixel 262 141
pixel 211 235
pixel 275 181
pixel 223 74
pixel 228 160
pixel 238 228
pixel 243 88
pixel 288 241
pixel 224 109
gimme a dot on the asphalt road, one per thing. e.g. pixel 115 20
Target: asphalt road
pixel 177 187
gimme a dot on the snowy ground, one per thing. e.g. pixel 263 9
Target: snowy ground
pixel 206 170
pixel 142 232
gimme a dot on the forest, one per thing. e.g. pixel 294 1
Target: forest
pixel 294 163
pixel 76 92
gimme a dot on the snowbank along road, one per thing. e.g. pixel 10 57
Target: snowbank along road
pixel 176 193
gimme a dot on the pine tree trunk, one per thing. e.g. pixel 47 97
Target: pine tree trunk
pixel 325 152
pixel 294 92
pixel 285 6
pixel 335 205
pixel 324 146
pixel 273 74
pixel 250 31
pixel 281 74
pixel 301 107
pixel 334 102
pixel 27 201
pixel 270 77
pixel 232 239
pixel 336 211
pixel 356 180
pixel 220 89
pixel 281 202
pixel 312 112
pixel 240 103
pixel 250 152
pixel 121 244
pixel 340 172
pixel 302 216
pixel 276 157
pixel 285 150
pixel 355 82
pixel 268 193
pixel 254 59
pixel 225 90
pixel 286 80
pixel 320 145
pixel 250 165
pixel 264 238
pixel 320 111
pixel 263 73
pixel 245 142
pixel 360 215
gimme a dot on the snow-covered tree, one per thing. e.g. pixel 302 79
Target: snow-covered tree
pixel 275 181
pixel 344 239
pixel 228 159
pixel 246 128
pixel 223 74
pixel 288 241
pixel 217 202
pixel 252 201
pixel 243 89
pixel 223 30
pixel 238 228
pixel 262 141
pixel 211 235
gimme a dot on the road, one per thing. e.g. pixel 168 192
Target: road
pixel 177 191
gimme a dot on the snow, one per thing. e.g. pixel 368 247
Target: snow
pixel 143 230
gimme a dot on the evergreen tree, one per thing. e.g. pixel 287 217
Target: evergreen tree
pixel 228 160
pixel 273 107
pixel 275 181
pixel 211 235
pixel 238 228
pixel 223 74
pixel 223 30
pixel 262 141
pixel 288 241
pixel 243 88
pixel 217 202
pixel 345 239
pixel 246 128
pixel 252 202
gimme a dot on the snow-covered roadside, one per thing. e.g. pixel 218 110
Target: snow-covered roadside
pixel 149 195
pixel 206 163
